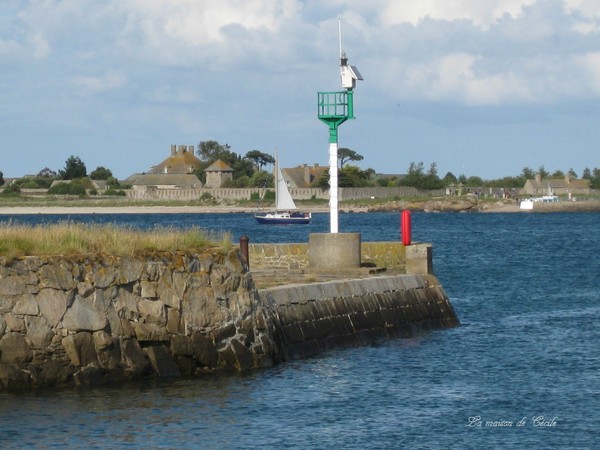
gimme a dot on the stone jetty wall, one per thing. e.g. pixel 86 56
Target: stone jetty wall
pixel 93 319
pixel 314 317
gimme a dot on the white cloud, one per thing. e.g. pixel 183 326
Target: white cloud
pixel 97 84
pixel 586 14
pixel 481 13
pixel 590 65
pixel 220 32
pixel 588 8
pixel 39 47
pixel 456 78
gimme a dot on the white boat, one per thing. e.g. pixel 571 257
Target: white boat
pixel 285 208
pixel 549 198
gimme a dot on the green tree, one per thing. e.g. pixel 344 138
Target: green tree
pixel 101 173
pixel 212 150
pixel 1 179
pixel 417 177
pixel 74 168
pixel 595 179
pixel 262 179
pixel 474 181
pixel 260 159
pixel 527 173
pixel 572 173
pixel 353 176
pixel 542 172
pixel 345 155
pixel 242 167
pixel 449 178
pixel 47 173
pixel 113 182
pixel 587 174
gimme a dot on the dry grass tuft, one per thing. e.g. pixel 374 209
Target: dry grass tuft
pixel 69 238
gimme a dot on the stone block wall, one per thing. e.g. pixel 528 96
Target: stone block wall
pixel 92 319
pixel 278 256
pixel 314 317
pixel 391 255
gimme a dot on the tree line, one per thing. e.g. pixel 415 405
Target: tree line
pixel 253 170
pixel 75 171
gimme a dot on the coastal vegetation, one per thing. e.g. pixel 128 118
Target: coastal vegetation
pixel 252 170
pixel 74 186
pixel 68 238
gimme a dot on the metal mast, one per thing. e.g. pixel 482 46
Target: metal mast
pixel 334 108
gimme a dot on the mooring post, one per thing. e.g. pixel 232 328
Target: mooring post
pixel 244 249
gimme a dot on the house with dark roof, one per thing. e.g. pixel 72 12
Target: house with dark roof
pixel 557 186
pixel 303 176
pixel 151 181
pixel 175 172
pixel 181 161
pixel 217 174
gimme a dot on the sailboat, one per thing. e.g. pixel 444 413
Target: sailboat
pixel 285 208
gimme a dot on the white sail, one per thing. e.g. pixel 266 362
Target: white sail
pixel 283 199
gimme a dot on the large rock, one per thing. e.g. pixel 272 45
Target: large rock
pixel 39 332
pixel 164 365
pixel 81 349
pixel 53 304
pixel 14 285
pixel 27 306
pixel 56 276
pixel 82 316
pixel 14 349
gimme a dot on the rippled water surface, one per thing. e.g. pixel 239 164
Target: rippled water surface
pixel 523 370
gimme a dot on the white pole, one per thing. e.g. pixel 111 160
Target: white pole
pixel 340 35
pixel 333 186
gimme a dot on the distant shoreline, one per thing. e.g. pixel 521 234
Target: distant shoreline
pixel 427 206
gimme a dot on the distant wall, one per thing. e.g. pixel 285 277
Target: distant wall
pixel 296 193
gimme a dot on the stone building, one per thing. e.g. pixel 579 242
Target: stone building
pixel 303 176
pixel 153 181
pixel 557 186
pixel 181 161
pixel 175 172
pixel 217 174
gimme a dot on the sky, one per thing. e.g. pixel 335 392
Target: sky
pixel 479 87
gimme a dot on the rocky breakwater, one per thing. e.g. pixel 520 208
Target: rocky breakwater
pixel 92 319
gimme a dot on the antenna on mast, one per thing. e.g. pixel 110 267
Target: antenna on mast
pixel 340 35
pixel 349 74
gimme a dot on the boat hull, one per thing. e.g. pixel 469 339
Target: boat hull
pixel 283 219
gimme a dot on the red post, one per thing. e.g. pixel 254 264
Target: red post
pixel 406 227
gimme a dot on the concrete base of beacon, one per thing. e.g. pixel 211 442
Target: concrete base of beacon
pixel 334 251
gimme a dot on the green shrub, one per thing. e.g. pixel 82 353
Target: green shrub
pixel 73 188
pixel 11 189
pixel 117 192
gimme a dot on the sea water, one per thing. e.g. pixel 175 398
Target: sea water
pixel 523 369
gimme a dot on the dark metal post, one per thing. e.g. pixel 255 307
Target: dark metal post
pixel 244 249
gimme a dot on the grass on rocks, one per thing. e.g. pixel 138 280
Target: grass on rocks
pixel 69 238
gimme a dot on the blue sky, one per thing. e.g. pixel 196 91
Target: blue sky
pixel 481 87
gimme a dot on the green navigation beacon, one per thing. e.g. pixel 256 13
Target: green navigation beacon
pixel 334 108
